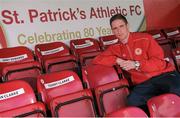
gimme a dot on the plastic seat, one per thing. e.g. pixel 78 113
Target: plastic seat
pixel 86 58
pixel 176 57
pixel 106 41
pixel 63 92
pixel 170 60
pixel 158 35
pixel 128 112
pixel 18 63
pixel 96 75
pixel 110 90
pixel 17 54
pixel 55 56
pixel 85 49
pixel 112 96
pixel 17 99
pixel 78 104
pixel 166 43
pixel 174 34
pixel 166 105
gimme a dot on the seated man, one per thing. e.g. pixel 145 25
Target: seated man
pixel 141 56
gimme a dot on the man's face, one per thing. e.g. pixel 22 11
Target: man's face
pixel 120 30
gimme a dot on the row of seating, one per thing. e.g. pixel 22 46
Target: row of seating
pixel 19 63
pixel 63 95
pixel 84 50
pixel 59 89
pixel 57 56
pixel 169 40
pixel 169 35
pixel 165 105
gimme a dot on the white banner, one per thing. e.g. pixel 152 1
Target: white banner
pixel 29 22
pixel 59 82
pixel 13 59
pixel 12 94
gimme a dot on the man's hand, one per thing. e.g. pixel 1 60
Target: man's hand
pixel 126 64
pixel 119 61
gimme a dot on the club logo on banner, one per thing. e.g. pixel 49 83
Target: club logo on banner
pixel 29 22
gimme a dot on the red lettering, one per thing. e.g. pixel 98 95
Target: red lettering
pixel 135 9
pixel 32 14
pixel 72 14
pixel 8 18
pixel 64 15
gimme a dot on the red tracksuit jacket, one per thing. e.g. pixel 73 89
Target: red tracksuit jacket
pixel 140 47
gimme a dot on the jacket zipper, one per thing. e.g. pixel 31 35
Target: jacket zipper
pixel 129 51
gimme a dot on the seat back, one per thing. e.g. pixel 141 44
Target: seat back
pixel 106 41
pixel 171 61
pixel 85 49
pixel 12 95
pixel 78 104
pixel 157 34
pixel 128 112
pixel 57 64
pixel 87 58
pixel 166 43
pixel 17 54
pixel 55 56
pixel 15 97
pixel 25 71
pixel 18 63
pixel 166 105
pixel 173 34
pixel 111 96
pixel 176 57
pixel 51 50
pixel 95 75
pixel 80 46
pixel 56 84
pixel 33 110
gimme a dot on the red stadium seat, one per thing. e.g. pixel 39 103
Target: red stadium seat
pixel 55 56
pixel 62 92
pixel 174 34
pixel 110 92
pixel 106 41
pixel 112 96
pixel 14 55
pixel 158 35
pixel 78 104
pixel 96 75
pixel 166 43
pixel 85 49
pixel 128 112
pixel 170 60
pixel 176 57
pixel 166 105
pixel 17 99
pixel 86 58
pixel 18 63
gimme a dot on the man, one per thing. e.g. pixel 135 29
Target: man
pixel 141 56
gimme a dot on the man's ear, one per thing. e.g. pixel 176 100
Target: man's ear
pixel 128 26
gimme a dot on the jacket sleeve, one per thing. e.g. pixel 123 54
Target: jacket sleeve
pixel 155 61
pixel 106 58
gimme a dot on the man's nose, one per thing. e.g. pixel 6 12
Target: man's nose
pixel 119 31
